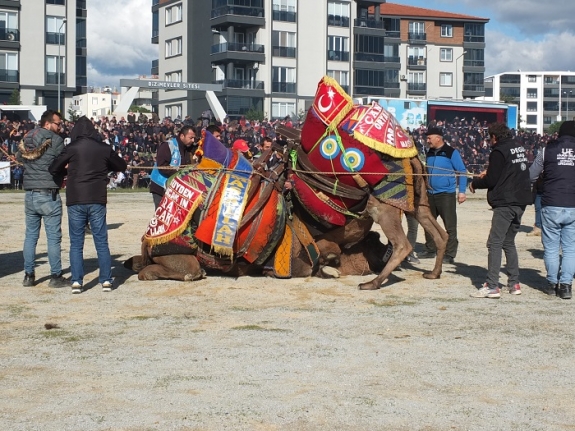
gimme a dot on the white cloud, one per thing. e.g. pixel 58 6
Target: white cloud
pixel 119 35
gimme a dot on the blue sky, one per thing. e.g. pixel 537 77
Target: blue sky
pixel 530 35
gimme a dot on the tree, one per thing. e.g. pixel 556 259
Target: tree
pixel 139 109
pixel 15 98
pixel 506 98
pixel 72 115
pixel 254 114
pixel 554 127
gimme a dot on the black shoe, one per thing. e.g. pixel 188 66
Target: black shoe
pixel 28 280
pixel 426 255
pixel 57 281
pixel 564 291
pixel 550 289
pixel 448 259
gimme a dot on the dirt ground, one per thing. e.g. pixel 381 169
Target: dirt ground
pixel 264 354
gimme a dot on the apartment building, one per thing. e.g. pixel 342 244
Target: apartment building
pixel 270 54
pixel 543 97
pixel 43 51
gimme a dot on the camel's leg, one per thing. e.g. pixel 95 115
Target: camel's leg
pixel 176 267
pixel 389 218
pixel 432 227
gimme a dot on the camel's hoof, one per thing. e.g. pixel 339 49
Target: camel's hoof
pixel 431 276
pixel 329 272
pixel 194 277
pixel 368 286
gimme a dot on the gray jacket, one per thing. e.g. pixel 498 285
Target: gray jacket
pixel 37 151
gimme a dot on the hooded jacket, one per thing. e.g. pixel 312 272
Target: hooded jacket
pixel 89 161
pixel 37 151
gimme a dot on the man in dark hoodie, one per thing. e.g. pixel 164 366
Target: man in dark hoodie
pixel 508 192
pixel 42 202
pixel 88 161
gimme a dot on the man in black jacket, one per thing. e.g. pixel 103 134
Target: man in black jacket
pixel 508 192
pixel 88 162
pixel 557 162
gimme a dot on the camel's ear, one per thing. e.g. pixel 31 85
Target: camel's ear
pixel 289 132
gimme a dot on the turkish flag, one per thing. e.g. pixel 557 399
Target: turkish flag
pixel 331 103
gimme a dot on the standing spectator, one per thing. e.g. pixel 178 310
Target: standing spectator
pixel 89 160
pixel 446 170
pixel 42 202
pixel 557 162
pixel 17 174
pixel 508 193
pixel 173 152
pixel 135 164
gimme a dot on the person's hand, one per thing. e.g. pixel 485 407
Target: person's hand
pixel 482 174
pixel 471 189
pixel 461 198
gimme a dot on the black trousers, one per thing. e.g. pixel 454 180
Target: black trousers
pixel 444 205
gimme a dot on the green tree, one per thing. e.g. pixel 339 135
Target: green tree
pixel 254 114
pixel 72 115
pixel 139 109
pixel 15 98
pixel 554 127
pixel 506 98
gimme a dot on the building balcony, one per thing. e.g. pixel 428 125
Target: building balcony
pixel 9 75
pixel 155 69
pixel 417 63
pixel 416 87
pixel 239 16
pixel 241 84
pixel 338 55
pixel 237 52
pixel 282 15
pixel 417 38
pixel 52 78
pixel 359 90
pixel 368 23
pixel 283 87
pixel 337 20
pixel 56 38
pixel 10 34
pixel 284 51
pixel 372 58
pixel 392 34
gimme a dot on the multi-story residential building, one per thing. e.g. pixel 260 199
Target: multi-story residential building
pixel 43 51
pixel 270 54
pixel 543 97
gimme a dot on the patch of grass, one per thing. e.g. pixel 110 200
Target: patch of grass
pixel 257 328
pixel 17 310
pixel 236 308
pixel 62 335
pixel 142 317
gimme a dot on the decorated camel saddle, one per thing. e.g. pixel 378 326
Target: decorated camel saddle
pixel 348 145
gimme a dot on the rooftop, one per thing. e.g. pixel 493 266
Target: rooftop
pixel 393 9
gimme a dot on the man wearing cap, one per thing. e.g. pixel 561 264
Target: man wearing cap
pixel 173 153
pixel 557 162
pixel 243 147
pixel 508 192
pixel 447 173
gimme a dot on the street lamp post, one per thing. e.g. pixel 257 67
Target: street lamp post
pixel 457 74
pixel 58 67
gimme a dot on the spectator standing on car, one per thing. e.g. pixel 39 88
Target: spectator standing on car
pixel 88 162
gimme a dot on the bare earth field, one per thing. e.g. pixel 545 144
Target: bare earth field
pixel 263 354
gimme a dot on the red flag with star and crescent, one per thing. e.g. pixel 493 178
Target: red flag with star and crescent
pixel 331 103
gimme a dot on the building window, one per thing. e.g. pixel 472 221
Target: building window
pixel 173 14
pixel 446 30
pixel 58 2
pixel 531 93
pixel 174 111
pixel 338 14
pixel 283 79
pixel 532 119
pixel 9 26
pixel 8 67
pixel 52 69
pixel 446 54
pixel 446 79
pixel 55 30
pixel 417 27
pixel 338 48
pixel 284 10
pixel 174 76
pixel 531 78
pixel 284 44
pixel 341 76
pixel 282 109
pixel 531 106
pixel 547 120
pixel 173 47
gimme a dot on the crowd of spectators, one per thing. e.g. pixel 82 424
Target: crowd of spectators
pixel 136 139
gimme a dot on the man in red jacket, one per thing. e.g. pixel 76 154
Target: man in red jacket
pixel 88 162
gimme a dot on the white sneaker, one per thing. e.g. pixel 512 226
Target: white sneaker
pixel 107 286
pixel 486 292
pixel 76 287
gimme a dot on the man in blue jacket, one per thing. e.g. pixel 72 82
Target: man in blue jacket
pixel 447 173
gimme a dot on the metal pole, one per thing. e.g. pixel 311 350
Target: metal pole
pixel 58 71
pixel 457 74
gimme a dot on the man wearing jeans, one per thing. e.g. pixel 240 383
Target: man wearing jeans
pixel 42 201
pixel 508 192
pixel 557 162
pixel 88 162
